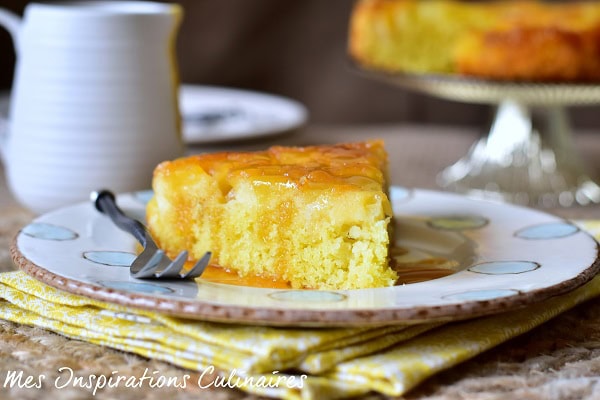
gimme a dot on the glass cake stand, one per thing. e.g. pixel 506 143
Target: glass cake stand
pixel 528 156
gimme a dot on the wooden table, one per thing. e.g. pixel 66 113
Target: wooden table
pixel 561 359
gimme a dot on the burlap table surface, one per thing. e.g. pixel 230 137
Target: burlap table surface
pixel 558 360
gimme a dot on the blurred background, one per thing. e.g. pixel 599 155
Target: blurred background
pixel 296 49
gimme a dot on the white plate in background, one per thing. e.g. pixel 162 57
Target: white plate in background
pixel 213 114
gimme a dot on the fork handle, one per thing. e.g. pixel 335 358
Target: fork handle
pixel 105 202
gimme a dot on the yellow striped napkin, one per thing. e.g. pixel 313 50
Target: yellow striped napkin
pixel 287 363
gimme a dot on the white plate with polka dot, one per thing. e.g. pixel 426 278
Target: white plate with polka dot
pixel 499 257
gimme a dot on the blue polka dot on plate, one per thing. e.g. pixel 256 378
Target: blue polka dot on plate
pixel 137 287
pixel 504 267
pixel 552 230
pixel 48 232
pixel 480 295
pixel 143 196
pixel 458 222
pixel 111 258
pixel 401 194
pixel 310 296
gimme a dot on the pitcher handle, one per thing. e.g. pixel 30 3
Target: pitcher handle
pixel 3 139
pixel 12 23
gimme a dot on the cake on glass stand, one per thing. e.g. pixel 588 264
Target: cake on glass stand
pixel 528 156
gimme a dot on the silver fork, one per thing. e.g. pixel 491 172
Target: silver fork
pixel 152 262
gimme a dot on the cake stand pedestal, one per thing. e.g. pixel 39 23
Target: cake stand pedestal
pixel 528 156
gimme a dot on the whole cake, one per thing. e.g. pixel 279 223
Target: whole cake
pixel 316 217
pixel 502 40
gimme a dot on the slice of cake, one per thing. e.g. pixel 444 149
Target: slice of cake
pixel 317 217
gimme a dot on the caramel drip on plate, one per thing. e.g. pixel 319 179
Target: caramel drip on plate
pixel 414 275
pixel 217 274
pixel 421 270
pixel 408 272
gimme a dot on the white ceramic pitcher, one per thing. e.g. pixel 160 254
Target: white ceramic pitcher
pixel 94 99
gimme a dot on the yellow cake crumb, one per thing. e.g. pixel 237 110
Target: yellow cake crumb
pixel 317 217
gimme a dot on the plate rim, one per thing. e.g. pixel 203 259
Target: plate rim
pixel 309 317
pixel 480 90
pixel 267 316
pixel 299 108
